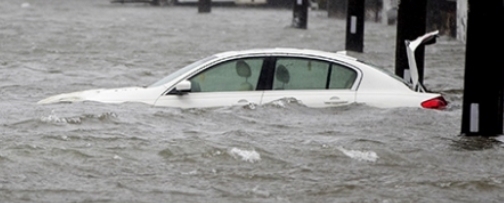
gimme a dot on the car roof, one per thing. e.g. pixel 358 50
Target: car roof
pixel 288 51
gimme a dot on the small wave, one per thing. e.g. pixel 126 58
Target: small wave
pixel 168 112
pixel 452 91
pixel 370 141
pixel 250 106
pixel 165 153
pixel 500 138
pixel 245 155
pixel 360 155
pixel 4 159
pixel 75 154
pixel 197 111
pixel 53 119
pixel 256 191
pixel 57 120
pixel 283 103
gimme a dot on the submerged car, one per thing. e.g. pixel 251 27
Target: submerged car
pixel 259 76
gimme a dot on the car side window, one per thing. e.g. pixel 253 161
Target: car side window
pixel 300 74
pixel 228 76
pixel 341 77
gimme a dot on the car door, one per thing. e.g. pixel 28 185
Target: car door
pixel 314 82
pixel 228 83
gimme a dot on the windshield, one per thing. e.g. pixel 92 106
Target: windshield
pixel 182 71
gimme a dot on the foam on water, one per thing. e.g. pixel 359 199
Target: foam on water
pixel 370 156
pixel 245 155
pixel 54 119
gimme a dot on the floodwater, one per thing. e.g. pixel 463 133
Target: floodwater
pixel 280 152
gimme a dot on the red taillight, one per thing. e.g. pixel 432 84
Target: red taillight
pixel 436 103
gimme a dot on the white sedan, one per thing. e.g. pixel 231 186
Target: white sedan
pixel 260 76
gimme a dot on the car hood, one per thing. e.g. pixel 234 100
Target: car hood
pixel 116 95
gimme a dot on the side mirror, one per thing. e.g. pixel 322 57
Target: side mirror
pixel 182 87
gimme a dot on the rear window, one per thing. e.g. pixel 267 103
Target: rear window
pixel 387 72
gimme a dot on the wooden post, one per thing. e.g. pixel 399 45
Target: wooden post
pixel 300 14
pixel 482 108
pixel 355 26
pixel 204 6
pixel 411 24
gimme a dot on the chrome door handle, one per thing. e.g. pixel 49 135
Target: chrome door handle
pixel 335 102
pixel 243 101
